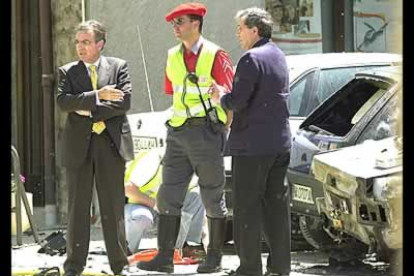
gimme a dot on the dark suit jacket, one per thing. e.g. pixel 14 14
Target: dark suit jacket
pixel 75 92
pixel 259 99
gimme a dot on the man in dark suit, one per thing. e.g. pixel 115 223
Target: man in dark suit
pixel 259 142
pixel 96 93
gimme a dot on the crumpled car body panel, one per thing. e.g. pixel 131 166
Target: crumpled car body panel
pixel 362 192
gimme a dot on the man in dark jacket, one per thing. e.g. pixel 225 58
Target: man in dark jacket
pixel 259 143
pixel 95 91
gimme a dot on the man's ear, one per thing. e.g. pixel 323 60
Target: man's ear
pixel 198 24
pixel 100 44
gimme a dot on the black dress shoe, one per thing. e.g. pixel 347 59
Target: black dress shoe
pixel 120 271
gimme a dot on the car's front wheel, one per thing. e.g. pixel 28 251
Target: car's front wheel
pixel 313 232
pixel 347 250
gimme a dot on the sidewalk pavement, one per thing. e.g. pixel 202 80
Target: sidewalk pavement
pixel 26 259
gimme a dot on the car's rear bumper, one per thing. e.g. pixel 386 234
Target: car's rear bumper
pixel 304 191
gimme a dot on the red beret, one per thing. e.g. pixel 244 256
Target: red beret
pixel 186 8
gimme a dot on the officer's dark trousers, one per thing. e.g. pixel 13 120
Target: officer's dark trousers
pixel 104 162
pixel 194 148
pixel 261 205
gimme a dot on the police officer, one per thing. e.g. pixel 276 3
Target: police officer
pixel 195 138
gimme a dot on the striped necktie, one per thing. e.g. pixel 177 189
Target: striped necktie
pixel 97 127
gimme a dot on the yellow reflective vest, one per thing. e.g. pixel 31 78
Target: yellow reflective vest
pixel 187 104
pixel 149 176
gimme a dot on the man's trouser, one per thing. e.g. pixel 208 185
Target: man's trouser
pixel 193 148
pixel 103 163
pixel 192 218
pixel 139 219
pixel 261 205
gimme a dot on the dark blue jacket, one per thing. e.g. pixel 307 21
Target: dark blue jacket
pixel 259 99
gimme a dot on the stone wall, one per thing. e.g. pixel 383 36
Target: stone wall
pixel 66 16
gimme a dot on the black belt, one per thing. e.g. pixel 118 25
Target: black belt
pixel 190 122
pixel 195 121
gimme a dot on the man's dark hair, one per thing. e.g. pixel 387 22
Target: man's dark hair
pixel 96 27
pixel 259 18
pixel 199 18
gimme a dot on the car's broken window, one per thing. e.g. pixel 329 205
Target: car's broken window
pixel 332 79
pixel 367 105
pixel 353 102
pixel 384 124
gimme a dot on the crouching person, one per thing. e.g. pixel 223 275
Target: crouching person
pixel 143 178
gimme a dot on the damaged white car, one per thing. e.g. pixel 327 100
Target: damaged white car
pixel 366 108
pixel 362 200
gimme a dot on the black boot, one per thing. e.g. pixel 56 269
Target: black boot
pixel 168 227
pixel 217 232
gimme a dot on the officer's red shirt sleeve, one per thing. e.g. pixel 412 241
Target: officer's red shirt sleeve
pixel 223 70
pixel 168 86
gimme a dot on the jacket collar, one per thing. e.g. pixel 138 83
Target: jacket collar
pixel 104 73
pixel 96 63
pixel 261 42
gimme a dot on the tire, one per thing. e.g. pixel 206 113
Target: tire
pixel 297 240
pixel 348 250
pixel 313 232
